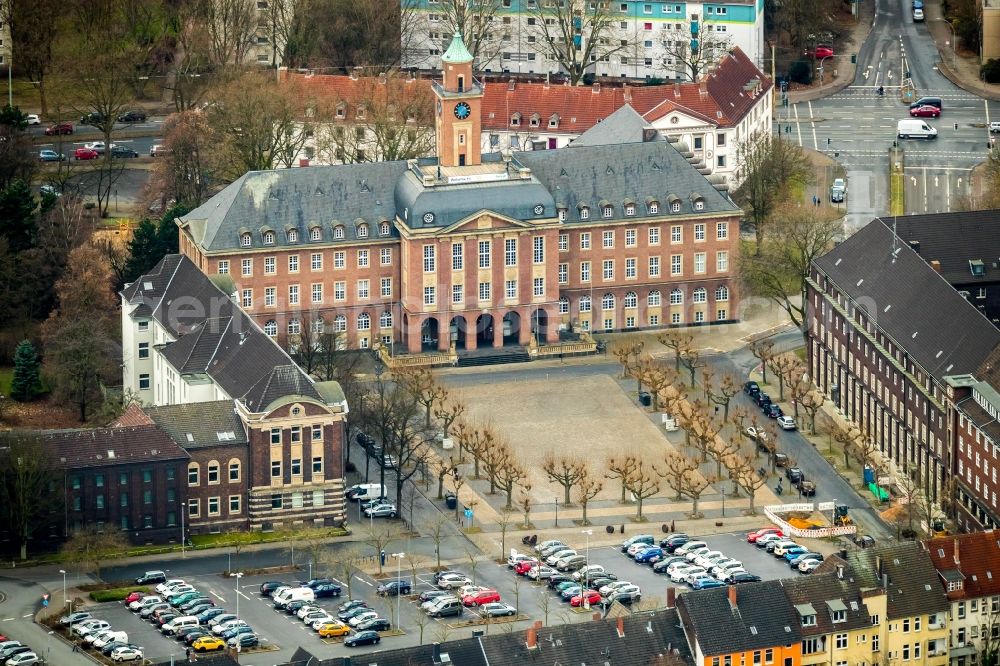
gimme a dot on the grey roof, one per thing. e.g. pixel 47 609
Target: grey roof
pixel 913 587
pixel 228 346
pixel 590 175
pixel 822 593
pixel 200 424
pixel 763 617
pixel 103 447
pixel 910 302
pixel 461 652
pixel 623 126
pixel 955 239
pixel 299 199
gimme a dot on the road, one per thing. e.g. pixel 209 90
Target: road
pixel 857 127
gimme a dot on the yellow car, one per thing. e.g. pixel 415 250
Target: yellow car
pixel 208 644
pixel 334 629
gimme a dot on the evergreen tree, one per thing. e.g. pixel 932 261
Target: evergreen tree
pixel 25 384
pixel 17 216
pixel 151 241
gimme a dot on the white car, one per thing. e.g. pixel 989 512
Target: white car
pixel 559 555
pixel 90 626
pixel 320 616
pixel 321 621
pixel 137 606
pixel 305 610
pixel 362 617
pixel 548 544
pixel 167 587
pixel 994 126
pixel 678 572
pixel 23 659
pixel 808 566
pixel 223 627
pixel 99 147
pixel 613 586
pixel 589 571
pixel 634 549
pixel 689 546
pixel 466 590
pixel 767 538
pixel 125 653
pixel 755 433
pixel 782 547
pixel 786 422
pixel 451 581
pixel 722 569
pixel 708 560
pixel 33 119
pixel 695 553
pixel 694 572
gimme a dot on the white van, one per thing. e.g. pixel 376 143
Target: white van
pixel 108 636
pixel 915 128
pixel 363 492
pixel 179 623
pixel 285 597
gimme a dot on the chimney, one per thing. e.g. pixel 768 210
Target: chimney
pixel 546 86
pixel 958 560
pixel 382 78
pixel 732 597
pixel 840 571
pixel 437 653
pixel 596 88
pixel 538 625
pixel 878 565
pixel 510 85
pixel 677 89
pixel 621 627
pixel 627 94
pixel 915 246
pixel 671 597
pixel 703 88
pixel 885 581
pixel 843 554
pixel 532 640
pixel 355 73
pixel 936 265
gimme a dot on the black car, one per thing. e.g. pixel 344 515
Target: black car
pixel 344 616
pixel 671 544
pixel 394 588
pixel 375 624
pixel 751 388
pixel 364 439
pixel 351 604
pixel 762 399
pixel 772 411
pixel 268 588
pixel 123 151
pixel 132 117
pixel 151 577
pixel 794 474
pixel 363 638
pixel 93 118
pixel 433 594
pixel 244 641
pixel 559 578
pixel 292 607
pixel 601 580
pixel 743 578
pixel 181 633
pixel 327 590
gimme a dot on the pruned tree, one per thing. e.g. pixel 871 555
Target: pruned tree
pixel 564 471
pixel 748 478
pixel 525 503
pixel 656 376
pixel 510 474
pixel 643 483
pixel 449 410
pixel 576 34
pixel 627 351
pixel 424 387
pixel 678 341
pixel 721 393
pixel 691 360
pixel 694 56
pixel 768 167
pixel 91 546
pixel 811 402
pixel 762 349
pixel 27 486
pixel 621 467
pixel 849 437
pixel 587 487
pixel 379 536
pixel 723 450
pixel 781 365
pixel 682 475
pixel 442 468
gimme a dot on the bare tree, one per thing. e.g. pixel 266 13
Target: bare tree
pixel 449 410
pixel 678 341
pixel 232 29
pixel 576 34
pixel 437 533
pixel 379 536
pixel 642 483
pixel 811 402
pixel 722 394
pixel 588 486
pixel 621 467
pixel 26 477
pixel 750 480
pixel 424 387
pixel 476 21
pixel 762 349
pixel 691 360
pixel 781 365
pixel 510 474
pixel 628 350
pixel 695 55
pixel 656 375
pixel 91 546
pixel 682 475
pixel 563 471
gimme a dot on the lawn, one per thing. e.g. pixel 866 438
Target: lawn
pixel 897 186
pixel 6 377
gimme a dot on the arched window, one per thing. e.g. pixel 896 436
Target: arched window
pixel 318 324
pixel 699 204
pixel 246 240
pixel 364 321
pixel 676 296
pixel 293 235
pixel 234 470
pixel 339 324
pixel 630 209
pixel 653 298
pixel 271 328
pixel 563 305
pixel 631 300
pixel 584 213
pixel 384 229
pixel 362 231
pixel 338 232
pixel 294 326
pixel 385 320
pixel 608 301
pixel 654 207
pixel 268 238
pixel 700 295
pixel 194 474
pixel 213 471
pixel 607 211
pixel 315 234
pixel 675 207
pixel 722 293
pixel 585 304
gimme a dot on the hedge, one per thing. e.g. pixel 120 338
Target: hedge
pixel 118 593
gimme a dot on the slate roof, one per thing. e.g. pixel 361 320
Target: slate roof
pixel 827 592
pixel 200 424
pixel 913 587
pixel 763 618
pixel 462 652
pixel 955 239
pixel 909 301
pixel 301 198
pixel 977 562
pixel 617 173
pixel 105 447
pixel 623 126
pixel 229 347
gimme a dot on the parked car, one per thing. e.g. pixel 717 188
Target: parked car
pixel 558 579
pixel 662 565
pixel 794 474
pixel 73 618
pixel 497 609
pixel 807 488
pixel 791 553
pixel 672 543
pixel 85 154
pixel 334 629
pixel 151 577
pixel 514 558
pixel 375 624
pixel 33 119
pixel 739 578
pixel 328 590
pixel 208 644
pixel 363 616
pixel 808 566
pixel 552 559
pixel 802 557
pixel 524 566
pixel 586 597
pixel 133 116
pixel 243 641
pixel 267 588
pixel 706 583
pixel 822 51
pixel 762 399
pixel 772 411
pixel 59 128
pixel 93 118
pixel 753 536
pixel 649 555
pixel 481 597
pixel 127 653
pixel 751 388
pixel 46 155
pixel 158 149
pixel 786 422
pixel 570 591
pixel 394 588
pixel 994 126
pixel 381 511
pixel 571 563
pixel 588 572
pixel 452 581
pixel 639 538
pixel 120 152
pixel 363 638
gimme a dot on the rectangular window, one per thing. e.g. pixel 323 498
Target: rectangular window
pixel 194 508
pixel 675 264
pixel 510 289
pixel 317 293
pixel 429 296
pixel 123 500
pixel 123 477
pixel 246 267
pixel 270 296
pixel 234 504
pixel 99 501
pixel 293 294
pixel 296 466
pixel 484 254
pixel 270 266
pixel 584 271
pixel 363 291
pixel 99 480
pixel 317 465
pixel 509 252
pixel 654 235
pixel 699 232
pixel 654 267
pixel 630 271
pixel 143 350
pixel 275 469
pixel 213 506
pixel 538 249
pixel 608 239
pixel 430 258
pixel 362 258
pixel 223 267
pixel 293 263
pixel 276 501
pixel 699 262
pixel 675 234
pixel 144 382
pixel 841 643
pixel 456 293
pixel 339 291
pixel 563 242
pixel 246 298
pixel 722 261
pixel 484 291
pixel 385 256
pixel 585 240
pixel 316 261
pixel 608 269
pixel 630 238
pixel 234 471
pixel 722 230
pixel 563 273
pixel 538 286
pixel 385 287
pixel 457 262
pixel 339 259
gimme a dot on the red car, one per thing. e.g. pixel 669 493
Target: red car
pixel 593 597
pixel 481 597
pixel 134 596
pixel 85 154
pixel 925 111
pixel 524 566
pixel 823 52
pixel 59 128
pixel 753 536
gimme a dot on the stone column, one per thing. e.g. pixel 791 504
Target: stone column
pixel 444 335
pixel 497 331
pixel 470 334
pixel 413 335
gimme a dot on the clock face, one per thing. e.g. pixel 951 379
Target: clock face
pixel 539 209
pixel 462 110
pixel 428 217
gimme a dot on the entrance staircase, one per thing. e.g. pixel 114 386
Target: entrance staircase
pixel 493 356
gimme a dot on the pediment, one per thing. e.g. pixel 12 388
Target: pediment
pixel 485 220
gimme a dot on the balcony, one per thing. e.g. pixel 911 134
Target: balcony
pixel 475 89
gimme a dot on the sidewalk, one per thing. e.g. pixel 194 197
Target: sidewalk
pixel 960 68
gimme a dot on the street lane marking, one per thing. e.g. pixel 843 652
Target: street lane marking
pixel 815 140
pixel 8 619
pixel 28 615
pixel 217 596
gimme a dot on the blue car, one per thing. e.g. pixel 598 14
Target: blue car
pixel 706 584
pixel 794 552
pixel 649 555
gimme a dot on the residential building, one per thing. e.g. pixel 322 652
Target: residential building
pixel 964 247
pixel 706 120
pixel 834 619
pixel 989 38
pixel 894 346
pixel 642 39
pixel 977 434
pixel 752 624
pixel 471 249
pixel 969 569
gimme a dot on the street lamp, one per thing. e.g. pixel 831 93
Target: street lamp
pixel 399 571
pixel 954 46
pixel 821 62
pixel 236 588
pixel 65 600
pixel 586 576
pixel 184 510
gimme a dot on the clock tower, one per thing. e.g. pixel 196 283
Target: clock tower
pixel 457 108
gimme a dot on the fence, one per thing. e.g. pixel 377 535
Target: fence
pixel 773 513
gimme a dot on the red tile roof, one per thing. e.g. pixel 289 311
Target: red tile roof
pixel 133 416
pixel 719 98
pixel 978 560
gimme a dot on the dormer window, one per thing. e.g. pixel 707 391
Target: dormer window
pixel 535 120
pixel 675 207
pixel 315 234
pixel 808 620
pixel 268 238
pixel 839 616
pixel 384 229
pixel 515 119
pixel 245 240
pixel 293 235
pixel 554 120
pixel 341 111
pixel 630 209
pixel 977 267
pixel 654 208
pixel 585 213
pixel 699 204
pixel 362 231
pixel 562 214
pixel 360 114
pixel 338 232
pixel 607 211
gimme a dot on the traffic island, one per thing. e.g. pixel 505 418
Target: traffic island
pixel 897 181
